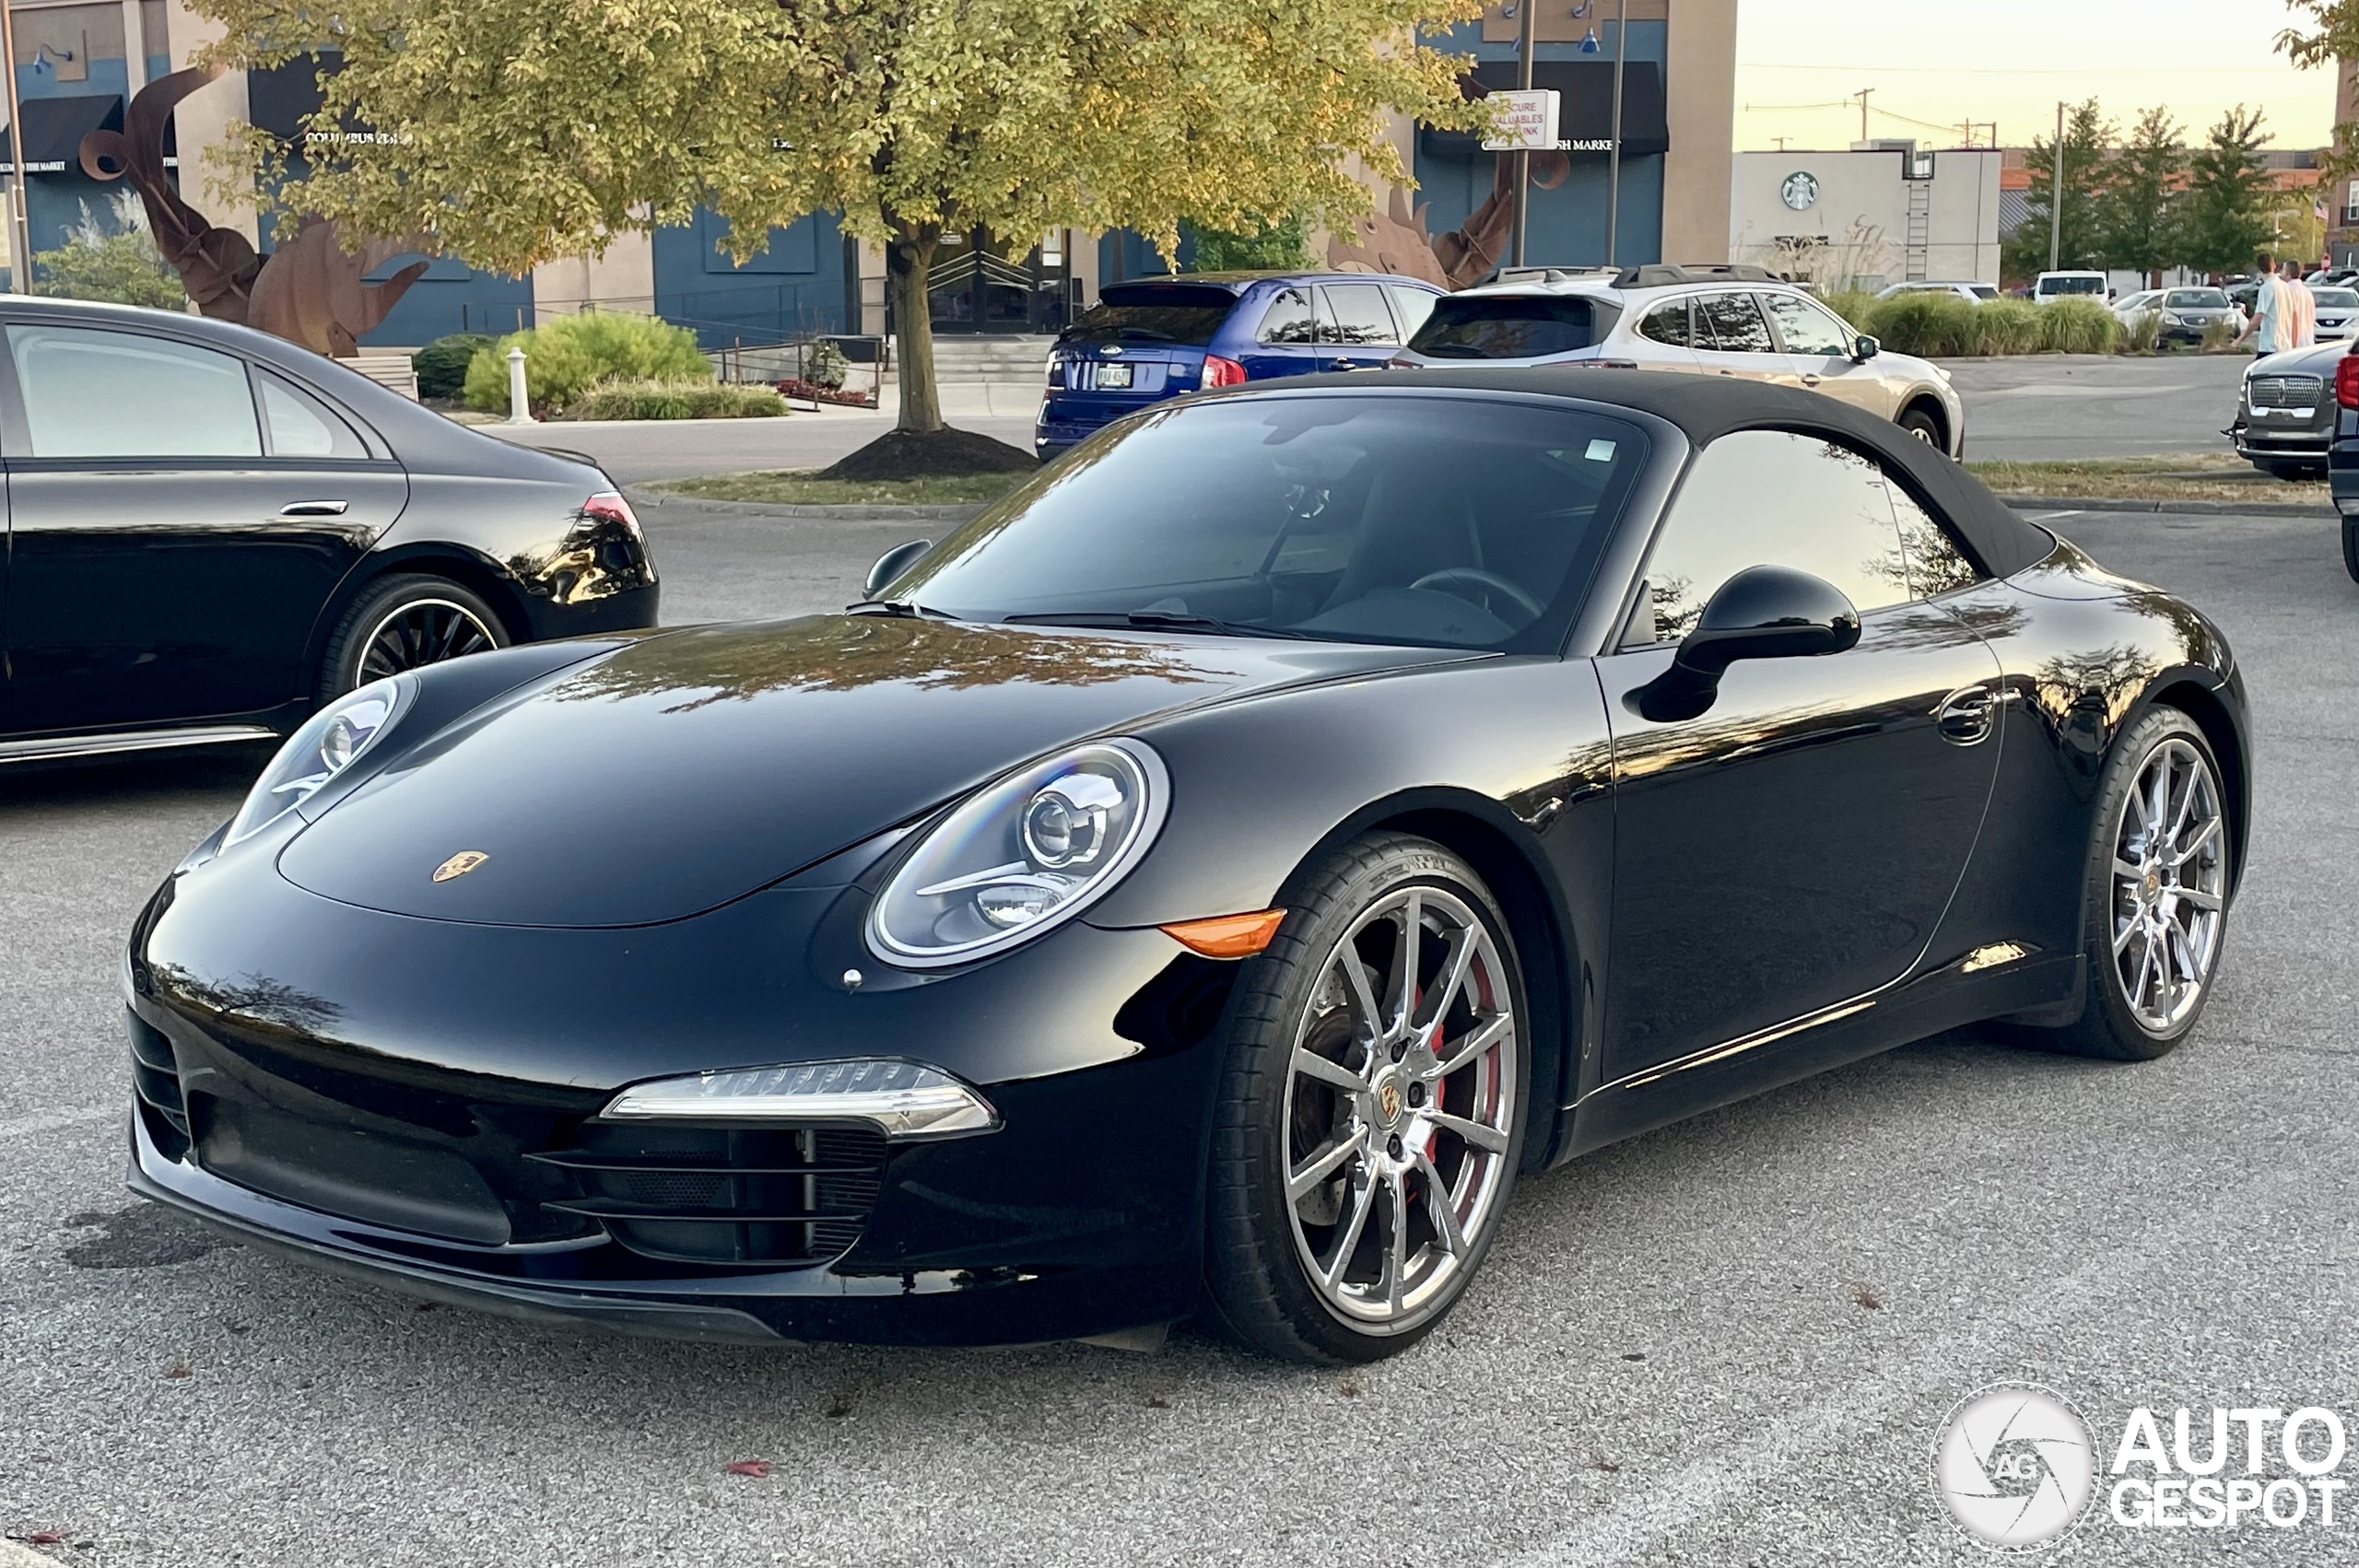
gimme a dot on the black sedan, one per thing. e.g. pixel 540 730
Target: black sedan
pixel 211 531
pixel 1200 886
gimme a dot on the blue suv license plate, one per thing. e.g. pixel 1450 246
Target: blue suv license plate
pixel 1112 378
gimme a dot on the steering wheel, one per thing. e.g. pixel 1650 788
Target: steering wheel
pixel 1454 580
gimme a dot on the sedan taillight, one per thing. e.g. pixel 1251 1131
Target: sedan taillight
pixel 1056 372
pixel 1220 372
pixel 610 504
pixel 2346 380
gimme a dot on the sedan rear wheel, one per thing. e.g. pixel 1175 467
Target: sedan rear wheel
pixel 405 623
pixel 1372 1112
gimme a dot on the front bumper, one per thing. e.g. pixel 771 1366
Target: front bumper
pixel 2301 441
pixel 405 1101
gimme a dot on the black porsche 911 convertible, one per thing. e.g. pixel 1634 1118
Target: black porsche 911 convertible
pixel 1198 887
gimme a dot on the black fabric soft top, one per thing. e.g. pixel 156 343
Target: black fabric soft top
pixel 1708 407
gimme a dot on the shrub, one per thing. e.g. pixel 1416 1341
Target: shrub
pixel 2142 332
pixel 1856 306
pixel 824 365
pixel 2219 336
pixel 2077 326
pixel 2004 326
pixel 441 365
pixel 675 400
pixel 566 356
pixel 1921 321
pixel 117 264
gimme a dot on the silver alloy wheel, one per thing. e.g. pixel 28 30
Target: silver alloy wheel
pixel 2170 874
pixel 1400 1099
pixel 423 631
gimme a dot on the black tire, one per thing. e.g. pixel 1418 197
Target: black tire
pixel 1921 424
pixel 401 623
pixel 1259 1242
pixel 2351 547
pixel 2109 1026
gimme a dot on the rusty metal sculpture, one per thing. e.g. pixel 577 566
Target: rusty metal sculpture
pixel 308 290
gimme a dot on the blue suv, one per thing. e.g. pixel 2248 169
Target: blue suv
pixel 1156 338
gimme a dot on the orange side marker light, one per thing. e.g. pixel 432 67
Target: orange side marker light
pixel 1228 936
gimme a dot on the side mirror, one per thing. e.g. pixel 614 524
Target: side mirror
pixel 1761 612
pixel 893 563
pixel 1864 348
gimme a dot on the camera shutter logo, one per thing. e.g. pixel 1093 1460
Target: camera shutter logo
pixel 2016 1467
pixel 1800 190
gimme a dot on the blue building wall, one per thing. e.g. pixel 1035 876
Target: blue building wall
pixel 792 286
pixel 1567 227
pixel 54 200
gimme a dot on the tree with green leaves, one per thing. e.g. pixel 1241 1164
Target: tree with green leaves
pixel 511 133
pixel 1285 243
pixel 2087 134
pixel 2330 37
pixel 116 262
pixel 2138 211
pixel 2229 197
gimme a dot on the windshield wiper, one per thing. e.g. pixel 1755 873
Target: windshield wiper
pixel 1151 620
pixel 908 609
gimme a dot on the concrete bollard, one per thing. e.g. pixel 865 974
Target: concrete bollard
pixel 520 406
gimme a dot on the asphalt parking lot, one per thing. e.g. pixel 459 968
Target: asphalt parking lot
pixel 1728 1342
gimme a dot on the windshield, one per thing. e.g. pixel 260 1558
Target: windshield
pixel 1508 327
pixel 1982 291
pixel 1459 522
pixel 2072 285
pixel 2340 299
pixel 1153 313
pixel 2196 299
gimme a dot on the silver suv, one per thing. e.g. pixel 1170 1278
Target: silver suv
pixel 1728 320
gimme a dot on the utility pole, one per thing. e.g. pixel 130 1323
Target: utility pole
pixel 1862 96
pixel 1614 153
pixel 20 238
pixel 2056 192
pixel 1525 11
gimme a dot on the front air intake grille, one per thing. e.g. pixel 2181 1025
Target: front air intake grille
pixel 723 1195
pixel 156 1079
pixel 2286 392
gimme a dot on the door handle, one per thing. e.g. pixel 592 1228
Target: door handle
pixel 314 508
pixel 1812 381
pixel 1965 715
pixel 1341 365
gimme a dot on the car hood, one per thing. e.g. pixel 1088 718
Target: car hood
pixel 2316 361
pixel 690 769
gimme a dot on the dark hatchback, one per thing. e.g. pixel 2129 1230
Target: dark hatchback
pixel 1146 341
pixel 211 530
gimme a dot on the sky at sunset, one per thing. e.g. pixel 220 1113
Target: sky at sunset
pixel 1943 62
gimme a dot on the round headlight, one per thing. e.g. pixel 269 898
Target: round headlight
pixel 327 744
pixel 1022 856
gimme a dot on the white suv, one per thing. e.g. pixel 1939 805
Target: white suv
pixel 1728 320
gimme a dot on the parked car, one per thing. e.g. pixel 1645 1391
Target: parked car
pixel 1972 293
pixel 2285 411
pixel 1727 321
pixel 2051 286
pixel 2342 456
pixel 1202 885
pixel 211 531
pixel 2185 313
pixel 1156 338
pixel 2337 310
pixel 2332 277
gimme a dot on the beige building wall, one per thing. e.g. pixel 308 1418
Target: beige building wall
pixel 1860 216
pixel 202 124
pixel 1700 111
pixel 621 279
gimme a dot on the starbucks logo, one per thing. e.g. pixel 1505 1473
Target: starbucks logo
pixel 1800 190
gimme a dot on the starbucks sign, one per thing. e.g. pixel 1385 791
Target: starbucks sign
pixel 1800 190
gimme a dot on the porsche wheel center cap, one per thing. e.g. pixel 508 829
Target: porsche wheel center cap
pixel 1389 1101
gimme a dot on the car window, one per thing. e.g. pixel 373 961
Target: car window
pixel 1509 326
pixel 1806 329
pixel 119 394
pixel 1773 498
pixel 2072 285
pixel 2338 298
pixel 2196 299
pixel 1390 518
pixel 1731 323
pixel 1935 562
pixel 1667 323
pixel 1289 317
pixel 1410 307
pixel 1984 291
pixel 300 426
pixel 1136 312
pixel 1354 313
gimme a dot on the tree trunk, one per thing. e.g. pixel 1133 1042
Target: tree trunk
pixel 909 260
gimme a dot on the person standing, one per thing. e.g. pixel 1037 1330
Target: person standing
pixel 2272 311
pixel 2302 320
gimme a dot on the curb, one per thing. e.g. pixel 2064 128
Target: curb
pixel 2200 508
pixel 877 512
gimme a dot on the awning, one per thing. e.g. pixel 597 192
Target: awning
pixel 1586 117
pixel 53 129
